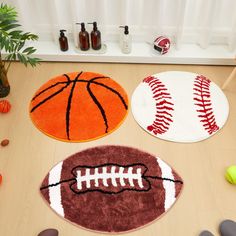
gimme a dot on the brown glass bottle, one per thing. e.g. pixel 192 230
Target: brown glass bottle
pixel 63 41
pixel 83 38
pixel 95 37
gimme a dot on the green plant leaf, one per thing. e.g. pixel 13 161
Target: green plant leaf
pixel 20 45
pixel 3 42
pixel 29 50
pixel 8 57
pixel 34 61
pixel 7 13
pixel 6 44
pixel 4 22
pixel 14 56
pixel 11 26
pixel 29 36
pixel 22 59
pixel 13 39
pixel 15 33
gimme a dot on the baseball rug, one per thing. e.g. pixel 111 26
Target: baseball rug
pixel 179 106
pixel 79 106
pixel 111 188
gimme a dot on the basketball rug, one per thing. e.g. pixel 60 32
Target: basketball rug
pixel 79 106
pixel 179 106
pixel 111 188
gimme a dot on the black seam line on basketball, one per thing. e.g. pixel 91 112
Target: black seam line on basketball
pixel 102 111
pixel 48 98
pixel 85 81
pixel 105 86
pixel 112 90
pixel 69 106
pixel 52 87
pixel 48 89
pixel 68 78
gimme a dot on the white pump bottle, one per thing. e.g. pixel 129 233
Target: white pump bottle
pixel 126 41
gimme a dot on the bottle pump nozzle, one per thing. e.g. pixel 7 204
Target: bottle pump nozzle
pixel 94 25
pixel 62 32
pixel 82 26
pixel 126 29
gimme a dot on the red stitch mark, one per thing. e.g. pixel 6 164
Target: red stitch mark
pixel 203 99
pixel 164 106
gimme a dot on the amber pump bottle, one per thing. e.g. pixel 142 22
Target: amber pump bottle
pixel 95 37
pixel 63 41
pixel 83 38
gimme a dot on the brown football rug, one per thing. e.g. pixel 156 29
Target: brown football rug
pixel 111 188
pixel 79 106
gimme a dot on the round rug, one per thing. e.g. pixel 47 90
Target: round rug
pixel 179 106
pixel 111 188
pixel 79 106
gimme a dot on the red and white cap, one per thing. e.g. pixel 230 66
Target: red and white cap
pixel 162 44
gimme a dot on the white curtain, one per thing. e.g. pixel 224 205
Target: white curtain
pixel 202 22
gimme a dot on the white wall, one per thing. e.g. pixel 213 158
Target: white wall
pixel 185 21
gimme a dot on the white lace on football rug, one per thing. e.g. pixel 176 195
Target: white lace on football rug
pixel 179 106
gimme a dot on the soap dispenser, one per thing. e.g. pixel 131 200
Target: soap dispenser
pixel 95 37
pixel 63 41
pixel 83 38
pixel 126 40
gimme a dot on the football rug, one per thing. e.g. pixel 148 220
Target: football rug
pixel 79 106
pixel 111 188
pixel 179 106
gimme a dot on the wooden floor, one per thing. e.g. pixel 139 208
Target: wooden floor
pixel 206 200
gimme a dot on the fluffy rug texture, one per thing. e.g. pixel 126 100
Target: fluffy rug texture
pixel 79 106
pixel 179 106
pixel 111 188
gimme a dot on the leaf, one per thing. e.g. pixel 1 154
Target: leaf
pixel 11 26
pixel 11 46
pixel 29 36
pixel 13 39
pixel 22 58
pixel 7 12
pixel 34 61
pixel 2 42
pixel 14 56
pixel 6 45
pixel 8 57
pixel 5 22
pixel 28 49
pixel 20 45
pixel 15 33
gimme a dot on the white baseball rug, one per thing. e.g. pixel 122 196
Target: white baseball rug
pixel 179 106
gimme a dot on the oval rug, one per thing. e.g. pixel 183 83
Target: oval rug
pixel 111 188
pixel 179 106
pixel 79 106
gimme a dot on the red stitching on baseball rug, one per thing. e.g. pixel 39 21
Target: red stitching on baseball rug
pixel 203 98
pixel 164 106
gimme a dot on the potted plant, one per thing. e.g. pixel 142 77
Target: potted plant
pixel 12 41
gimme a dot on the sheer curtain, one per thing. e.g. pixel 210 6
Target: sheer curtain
pixel 203 22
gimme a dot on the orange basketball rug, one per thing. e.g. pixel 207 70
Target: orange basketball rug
pixel 79 106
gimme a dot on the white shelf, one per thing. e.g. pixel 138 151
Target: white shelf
pixel 141 53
